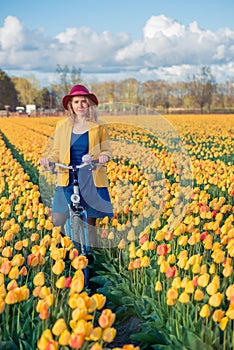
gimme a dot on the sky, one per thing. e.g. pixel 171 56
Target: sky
pixel 114 40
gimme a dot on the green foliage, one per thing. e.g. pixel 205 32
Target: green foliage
pixel 8 94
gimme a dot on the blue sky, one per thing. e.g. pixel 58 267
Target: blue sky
pixel 108 40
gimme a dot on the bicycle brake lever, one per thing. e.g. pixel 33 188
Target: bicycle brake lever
pixel 52 168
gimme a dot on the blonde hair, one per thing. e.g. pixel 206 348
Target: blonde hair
pixel 91 114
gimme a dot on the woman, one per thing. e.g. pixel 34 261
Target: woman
pixel 79 134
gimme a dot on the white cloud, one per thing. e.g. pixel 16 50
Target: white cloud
pixel 168 50
pixel 11 34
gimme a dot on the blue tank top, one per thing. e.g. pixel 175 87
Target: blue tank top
pixel 79 147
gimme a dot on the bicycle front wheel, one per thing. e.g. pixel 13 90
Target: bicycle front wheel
pixel 78 233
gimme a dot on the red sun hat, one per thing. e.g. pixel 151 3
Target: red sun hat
pixel 79 90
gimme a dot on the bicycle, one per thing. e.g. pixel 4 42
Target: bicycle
pixel 76 226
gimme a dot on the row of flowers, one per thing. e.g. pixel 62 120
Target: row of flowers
pixel 175 243
pixel 42 298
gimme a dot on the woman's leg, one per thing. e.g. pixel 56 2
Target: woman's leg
pixel 59 220
pixel 60 209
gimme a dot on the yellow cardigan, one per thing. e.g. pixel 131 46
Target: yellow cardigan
pixel 59 151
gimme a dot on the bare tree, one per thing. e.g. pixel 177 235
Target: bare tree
pixel 202 88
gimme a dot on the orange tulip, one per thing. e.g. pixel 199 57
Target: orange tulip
pixel 172 293
pixel 106 319
pixel 76 341
pixel 5 267
pixel 32 260
pixel 11 297
pixel 80 262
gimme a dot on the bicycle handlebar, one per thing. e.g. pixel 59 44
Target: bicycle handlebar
pixel 92 163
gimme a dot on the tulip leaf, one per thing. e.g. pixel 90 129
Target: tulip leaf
pixel 8 345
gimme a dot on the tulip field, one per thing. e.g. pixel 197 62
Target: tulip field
pixel 165 258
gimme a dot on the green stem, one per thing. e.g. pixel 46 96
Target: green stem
pixel 7 320
pixel 13 320
pixel 18 320
pixel 224 340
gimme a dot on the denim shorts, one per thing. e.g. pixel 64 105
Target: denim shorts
pixel 97 202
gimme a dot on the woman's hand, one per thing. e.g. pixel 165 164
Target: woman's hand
pixel 103 159
pixel 45 162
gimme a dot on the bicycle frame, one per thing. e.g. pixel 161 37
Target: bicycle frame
pixel 76 226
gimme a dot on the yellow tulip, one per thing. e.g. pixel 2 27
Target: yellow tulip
pixel 230 312
pixel 2 306
pixel 60 283
pixel 96 334
pixel 205 311
pixel 108 334
pixel 170 302
pixel 212 288
pixel 58 267
pixel 77 285
pixel 227 271
pixel 176 283
pixel 184 298
pixel 59 327
pixel 122 244
pixel 39 279
pixel 215 299
pixel 212 269
pixel 46 337
pixel 230 292
pixel 7 252
pixel 131 235
pixel 100 300
pixel 145 261
pixel 203 280
pixel 158 286
pixel 218 315
pixel 198 295
pixel 64 338
pixel 224 323
pixel 44 292
pixel 97 346
pixel 24 293
pixel 189 288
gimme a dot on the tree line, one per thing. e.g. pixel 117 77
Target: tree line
pixel 200 92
